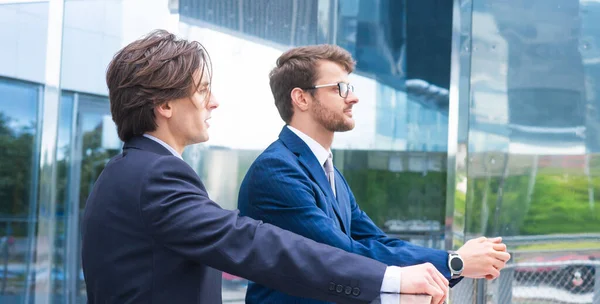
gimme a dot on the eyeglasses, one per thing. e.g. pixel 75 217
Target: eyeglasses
pixel 343 88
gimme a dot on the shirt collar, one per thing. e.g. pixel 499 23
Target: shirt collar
pixel 164 144
pixel 319 151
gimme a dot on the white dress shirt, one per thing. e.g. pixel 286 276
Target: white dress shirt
pixel 164 144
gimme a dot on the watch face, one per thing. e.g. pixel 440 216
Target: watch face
pixel 456 264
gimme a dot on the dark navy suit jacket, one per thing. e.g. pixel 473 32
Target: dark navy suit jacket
pixel 151 234
pixel 287 187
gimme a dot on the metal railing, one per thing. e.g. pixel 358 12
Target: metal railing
pixel 574 281
pixel 405 299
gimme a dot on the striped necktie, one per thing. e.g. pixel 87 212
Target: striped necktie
pixel 330 172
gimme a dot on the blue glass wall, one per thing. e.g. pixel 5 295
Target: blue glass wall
pixel 55 134
pixel 527 145
pixel 475 118
pixel 57 131
pixel 395 159
pixel 18 173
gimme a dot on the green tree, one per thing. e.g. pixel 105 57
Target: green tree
pixel 16 155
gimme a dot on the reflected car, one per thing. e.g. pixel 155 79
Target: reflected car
pixel 412 225
pixel 568 272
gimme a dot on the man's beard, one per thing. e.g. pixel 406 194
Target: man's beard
pixel 334 122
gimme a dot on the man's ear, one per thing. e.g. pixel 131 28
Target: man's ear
pixel 300 99
pixel 165 110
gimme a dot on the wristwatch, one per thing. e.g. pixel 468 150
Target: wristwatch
pixel 456 264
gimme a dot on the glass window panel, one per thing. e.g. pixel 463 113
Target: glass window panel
pixel 18 131
pixel 63 162
pixel 533 174
pixel 395 158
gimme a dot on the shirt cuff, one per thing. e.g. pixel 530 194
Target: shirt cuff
pixel 391 280
pixel 389 298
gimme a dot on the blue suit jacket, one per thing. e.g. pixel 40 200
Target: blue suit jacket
pixel 151 234
pixel 287 187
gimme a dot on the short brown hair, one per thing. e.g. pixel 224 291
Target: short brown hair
pixel 297 68
pixel 148 72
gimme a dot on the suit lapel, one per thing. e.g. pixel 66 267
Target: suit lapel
pixel 343 201
pixel 310 162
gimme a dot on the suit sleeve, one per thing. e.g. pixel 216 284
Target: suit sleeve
pixel 365 231
pixel 278 193
pixel 180 216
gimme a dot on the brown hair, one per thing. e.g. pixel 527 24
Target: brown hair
pixel 297 68
pixel 148 72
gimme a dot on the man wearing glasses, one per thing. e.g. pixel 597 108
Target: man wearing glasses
pixel 294 185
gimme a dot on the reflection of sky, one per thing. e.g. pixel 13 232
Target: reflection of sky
pixel 248 119
pixel 497 70
pixel 19 102
pixel 486 142
pixel 21 115
pixel 91 121
pixel 65 120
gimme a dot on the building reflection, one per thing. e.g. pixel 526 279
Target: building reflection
pixel 533 174
pixel 528 141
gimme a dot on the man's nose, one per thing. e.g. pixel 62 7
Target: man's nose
pixel 213 103
pixel 351 98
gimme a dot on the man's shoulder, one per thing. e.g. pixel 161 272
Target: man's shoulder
pixel 274 158
pixel 275 151
pixel 150 170
pixel 143 163
pixel 145 157
pixel 169 165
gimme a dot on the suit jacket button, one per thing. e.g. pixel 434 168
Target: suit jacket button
pixel 355 291
pixel 339 288
pixel 331 286
pixel 348 290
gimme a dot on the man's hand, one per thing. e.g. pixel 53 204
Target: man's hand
pixel 424 279
pixel 483 257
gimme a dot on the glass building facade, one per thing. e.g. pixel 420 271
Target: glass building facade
pixel 477 117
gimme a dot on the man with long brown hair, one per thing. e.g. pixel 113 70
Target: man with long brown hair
pixel 150 232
